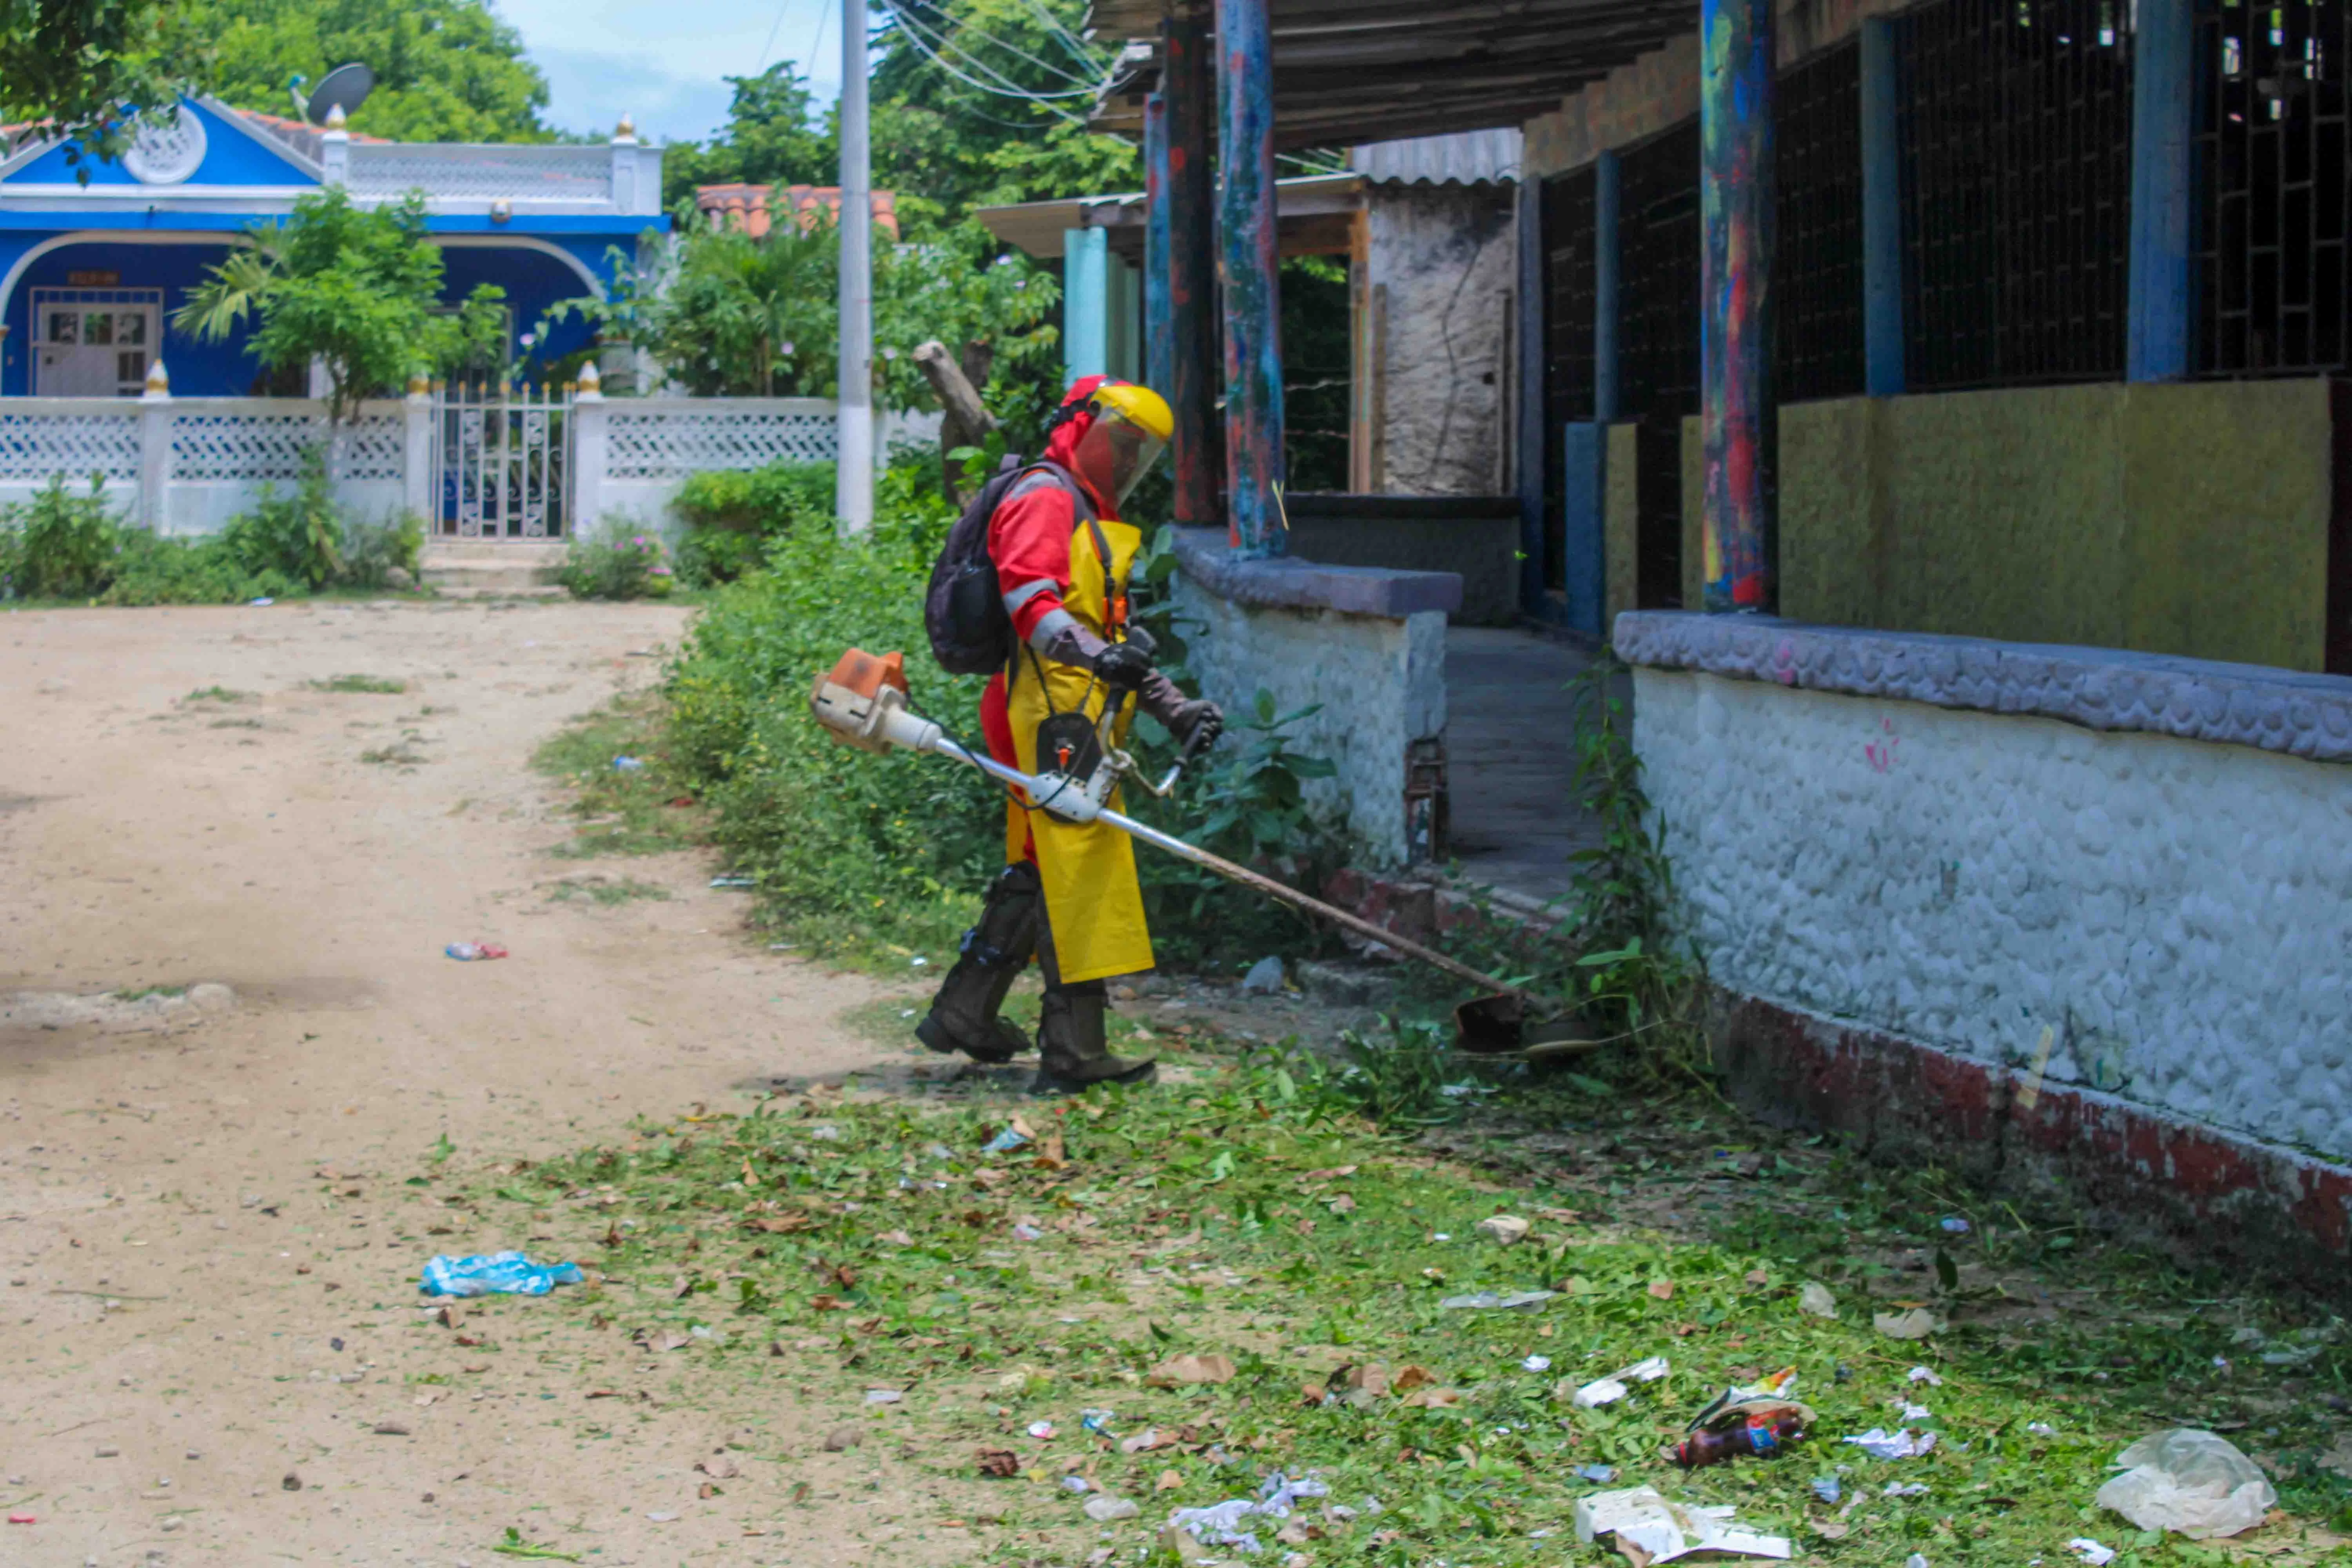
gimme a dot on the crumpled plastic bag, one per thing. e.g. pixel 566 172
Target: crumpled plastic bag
pixel 494 1273
pixel 2194 1483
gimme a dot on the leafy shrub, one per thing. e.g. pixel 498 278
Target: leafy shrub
pixel 851 848
pixel 62 544
pixel 730 514
pixel 158 571
pixel 297 535
pixel 373 550
pixel 617 564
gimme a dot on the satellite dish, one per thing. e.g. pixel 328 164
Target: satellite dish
pixel 345 88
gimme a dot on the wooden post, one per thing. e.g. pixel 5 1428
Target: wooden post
pixel 1739 421
pixel 1882 214
pixel 1247 268
pixel 2161 312
pixel 1158 325
pixel 1192 378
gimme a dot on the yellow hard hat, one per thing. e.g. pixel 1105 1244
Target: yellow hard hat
pixel 1143 407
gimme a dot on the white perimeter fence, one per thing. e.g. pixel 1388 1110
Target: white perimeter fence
pixel 187 465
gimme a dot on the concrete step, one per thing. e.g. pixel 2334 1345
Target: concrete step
pixel 493 568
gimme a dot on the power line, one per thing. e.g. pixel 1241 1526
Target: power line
pixel 1004 87
pixel 1008 87
pixel 769 47
pixel 1088 83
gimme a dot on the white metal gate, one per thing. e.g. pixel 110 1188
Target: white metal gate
pixel 499 460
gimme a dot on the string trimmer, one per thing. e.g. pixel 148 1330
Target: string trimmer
pixel 864 703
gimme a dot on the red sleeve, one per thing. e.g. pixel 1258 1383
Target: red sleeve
pixel 1029 539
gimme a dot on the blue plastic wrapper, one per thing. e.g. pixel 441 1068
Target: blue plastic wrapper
pixel 495 1274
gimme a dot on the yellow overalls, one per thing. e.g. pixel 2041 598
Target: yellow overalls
pixel 1093 900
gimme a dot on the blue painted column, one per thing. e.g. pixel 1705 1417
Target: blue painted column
pixel 2162 310
pixel 1608 183
pixel 1584 569
pixel 1186 81
pixel 1085 303
pixel 1158 324
pixel 1738 417
pixel 1247 264
pixel 1882 214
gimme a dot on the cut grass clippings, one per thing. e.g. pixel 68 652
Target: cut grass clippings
pixel 376 685
pixel 622 809
pixel 605 890
pixel 873 1241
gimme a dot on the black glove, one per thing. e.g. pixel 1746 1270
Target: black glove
pixel 1197 724
pixel 1122 666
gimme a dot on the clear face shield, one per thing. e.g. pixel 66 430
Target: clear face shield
pixel 1115 453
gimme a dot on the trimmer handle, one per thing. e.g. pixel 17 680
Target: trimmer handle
pixel 1200 741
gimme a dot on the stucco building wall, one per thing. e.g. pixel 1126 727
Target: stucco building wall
pixel 2174 914
pixel 1443 266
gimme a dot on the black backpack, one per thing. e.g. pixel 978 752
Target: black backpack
pixel 964 610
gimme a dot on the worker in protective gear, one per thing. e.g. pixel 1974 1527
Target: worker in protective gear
pixel 1068 893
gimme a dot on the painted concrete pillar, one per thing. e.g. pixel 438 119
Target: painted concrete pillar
pixel 1158 324
pixel 1882 214
pixel 590 425
pixel 2162 307
pixel 416 445
pixel 1584 532
pixel 1193 377
pixel 155 450
pixel 1247 269
pixel 1085 303
pixel 1739 419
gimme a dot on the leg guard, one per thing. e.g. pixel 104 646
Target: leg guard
pixel 1073 1048
pixel 963 1016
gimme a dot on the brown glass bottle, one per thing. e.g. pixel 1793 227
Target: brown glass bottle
pixel 1761 1435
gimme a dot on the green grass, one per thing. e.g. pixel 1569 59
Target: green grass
pixel 402 754
pixel 1245 1209
pixel 605 890
pixel 141 993
pixel 620 811
pixel 236 724
pixel 218 694
pixel 374 685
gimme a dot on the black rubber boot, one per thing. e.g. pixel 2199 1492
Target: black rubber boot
pixel 1073 1050
pixel 963 1016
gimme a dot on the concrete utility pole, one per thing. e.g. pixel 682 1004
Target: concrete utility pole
pixel 852 494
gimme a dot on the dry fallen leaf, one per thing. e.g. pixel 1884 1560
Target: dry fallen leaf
pixel 1663 1289
pixel 1169 1481
pixel 1002 1463
pixel 1189 1368
pixel 1434 1398
pixel 719 1467
pixel 779 1225
pixel 1412 1377
pixel 825 1303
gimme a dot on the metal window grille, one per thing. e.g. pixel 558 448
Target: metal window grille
pixel 1658 323
pixel 2016 141
pixel 1569 285
pixel 1819 351
pixel 2273 188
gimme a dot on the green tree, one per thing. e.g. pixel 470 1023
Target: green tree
pixel 978 102
pixel 76 63
pixel 447 70
pixel 357 290
pixel 773 137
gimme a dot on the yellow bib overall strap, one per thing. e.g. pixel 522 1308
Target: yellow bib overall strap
pixel 1092 898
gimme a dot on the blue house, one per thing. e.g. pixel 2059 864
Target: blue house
pixel 90 274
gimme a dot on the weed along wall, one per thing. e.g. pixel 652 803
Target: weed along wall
pixel 1362 646
pixel 2188 519
pixel 2023 907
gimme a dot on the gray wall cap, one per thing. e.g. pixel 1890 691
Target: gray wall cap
pixel 2307 716
pixel 1284 581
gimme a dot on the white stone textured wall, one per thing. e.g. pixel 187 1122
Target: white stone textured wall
pixel 1378 683
pixel 2178 913
pixel 1446 262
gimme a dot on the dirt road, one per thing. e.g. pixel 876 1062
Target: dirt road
pixel 210 1253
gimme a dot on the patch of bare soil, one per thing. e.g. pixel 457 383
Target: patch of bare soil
pixel 209 1243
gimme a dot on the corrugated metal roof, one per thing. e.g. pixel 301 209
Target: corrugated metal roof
pixel 1349 71
pixel 1464 158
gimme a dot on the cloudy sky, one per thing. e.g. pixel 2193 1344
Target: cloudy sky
pixel 662 61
